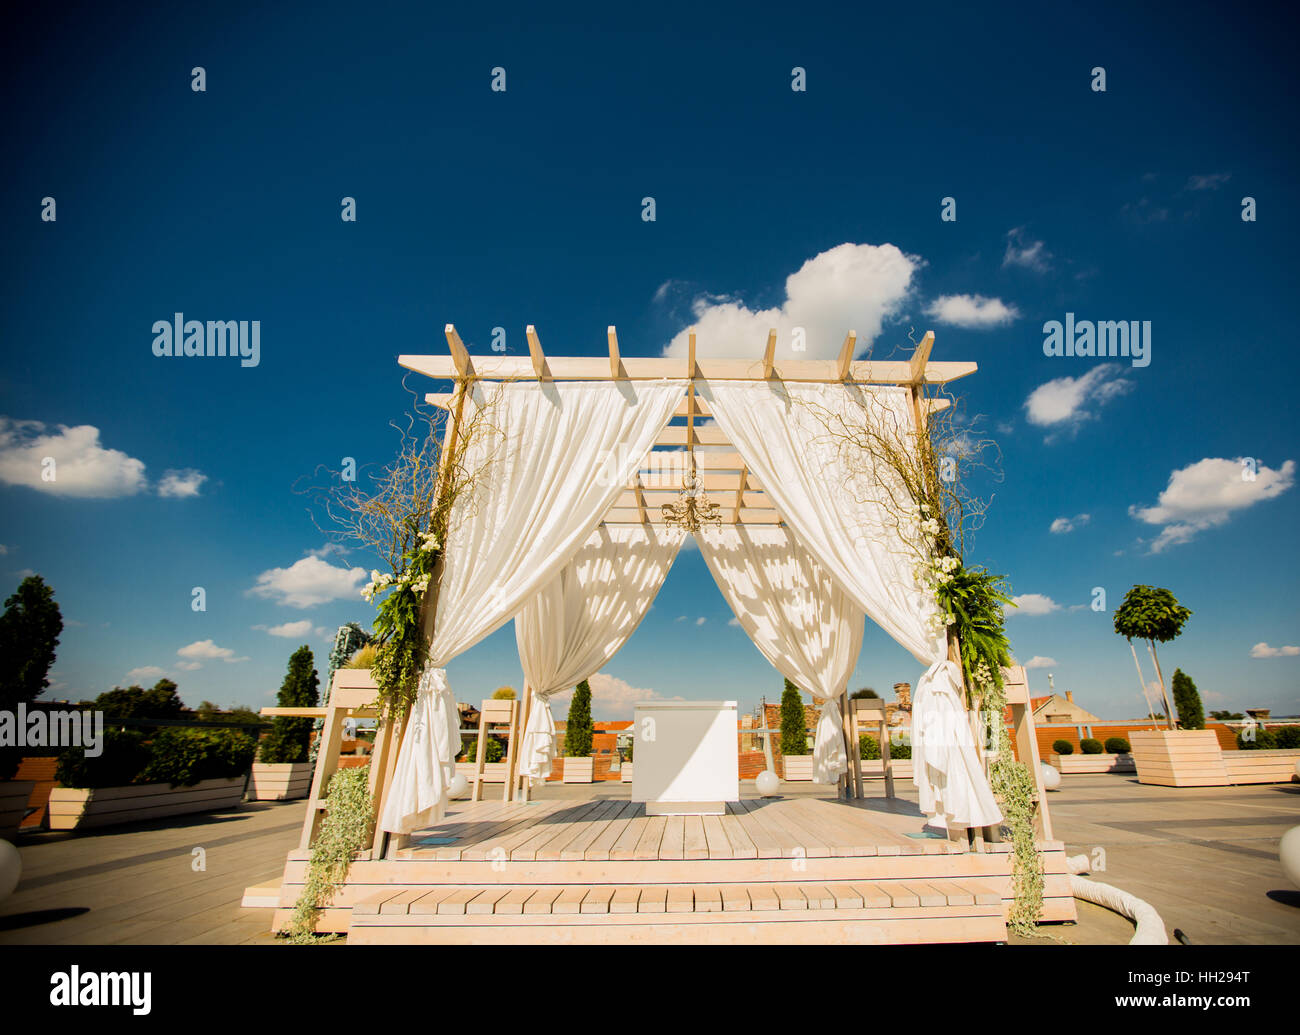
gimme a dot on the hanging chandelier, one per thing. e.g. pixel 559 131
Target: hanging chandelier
pixel 693 508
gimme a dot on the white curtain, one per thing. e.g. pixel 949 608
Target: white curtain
pixel 547 460
pixel 804 624
pixel 581 618
pixel 803 443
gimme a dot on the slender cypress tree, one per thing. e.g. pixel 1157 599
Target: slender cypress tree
pixel 1191 715
pixel 289 739
pixel 794 725
pixel 578 730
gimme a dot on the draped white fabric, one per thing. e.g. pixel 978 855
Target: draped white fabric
pixel 954 792
pixel 581 618
pixel 843 506
pixel 801 620
pixel 547 460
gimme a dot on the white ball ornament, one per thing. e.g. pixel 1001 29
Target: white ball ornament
pixel 1051 777
pixel 459 786
pixel 11 868
pixel 767 783
pixel 1288 851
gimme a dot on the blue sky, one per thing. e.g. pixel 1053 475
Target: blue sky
pixel 500 209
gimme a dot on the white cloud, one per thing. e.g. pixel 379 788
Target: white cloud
pixel 733 620
pixel 308 582
pixel 189 666
pixel 146 672
pixel 206 650
pixel 700 621
pixel 972 311
pixel 1069 401
pixel 1065 525
pixel 612 698
pixel 1033 604
pixel 1030 255
pixel 1207 493
pixel 1038 661
pixel 1263 650
pixel 292 630
pixel 1212 181
pixel 82 466
pixel 848 287
pixel 181 484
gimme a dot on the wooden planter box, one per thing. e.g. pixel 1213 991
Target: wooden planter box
pixel 1178 758
pixel 279 781
pixel 579 770
pixel 1277 766
pixel 76 808
pixel 798 767
pixel 902 768
pixel 14 795
pixel 625 774
pixel 1067 764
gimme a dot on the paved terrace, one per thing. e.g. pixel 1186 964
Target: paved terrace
pixel 1206 858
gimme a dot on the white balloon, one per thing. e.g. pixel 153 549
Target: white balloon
pixel 11 868
pixel 1051 777
pixel 459 786
pixel 1288 851
pixel 767 783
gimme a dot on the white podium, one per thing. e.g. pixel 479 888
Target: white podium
pixel 686 760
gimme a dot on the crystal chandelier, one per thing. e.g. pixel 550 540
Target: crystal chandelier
pixel 693 508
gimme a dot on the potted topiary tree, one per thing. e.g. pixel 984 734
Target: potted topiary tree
pixel 283 770
pixel 579 766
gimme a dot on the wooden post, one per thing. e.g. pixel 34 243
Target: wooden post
pixel 518 782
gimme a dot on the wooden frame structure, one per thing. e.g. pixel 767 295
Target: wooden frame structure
pixel 587 871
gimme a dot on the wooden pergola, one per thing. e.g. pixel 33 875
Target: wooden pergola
pixel 722 471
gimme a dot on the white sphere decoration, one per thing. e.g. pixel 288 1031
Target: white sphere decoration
pixel 458 786
pixel 1051 776
pixel 1288 851
pixel 767 783
pixel 11 868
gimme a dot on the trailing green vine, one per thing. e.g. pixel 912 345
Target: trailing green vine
pixel 344 831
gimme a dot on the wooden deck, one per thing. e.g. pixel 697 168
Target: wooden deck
pixel 802 869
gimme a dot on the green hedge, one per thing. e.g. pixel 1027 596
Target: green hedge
pixel 179 757
pixel 494 751
pixel 1062 747
pixel 1091 746
pixel 1287 736
pixel 869 748
pixel 1118 746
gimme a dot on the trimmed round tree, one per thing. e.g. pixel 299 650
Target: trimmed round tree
pixel 1191 715
pixel 289 739
pixel 29 634
pixel 794 724
pixel 1155 615
pixel 578 730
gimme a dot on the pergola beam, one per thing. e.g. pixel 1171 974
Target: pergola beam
pixel 615 360
pixel 536 355
pixel 769 354
pixel 846 355
pixel 916 366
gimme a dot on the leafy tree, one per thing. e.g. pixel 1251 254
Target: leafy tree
pixel 503 693
pixel 578 730
pixel 209 712
pixel 289 738
pixel 862 694
pixel 1223 716
pixel 1155 615
pixel 29 635
pixel 1191 716
pixel 794 724
pixel 159 702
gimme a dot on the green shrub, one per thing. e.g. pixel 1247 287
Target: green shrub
pixel 1062 747
pixel 183 757
pixel 1118 746
pixel 1263 740
pixel 494 752
pixel 1287 736
pixel 794 725
pixel 123 757
pixel 1091 746
pixel 578 730
pixel 868 747
pixel 1191 714
pixel 900 746
pixel 627 751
